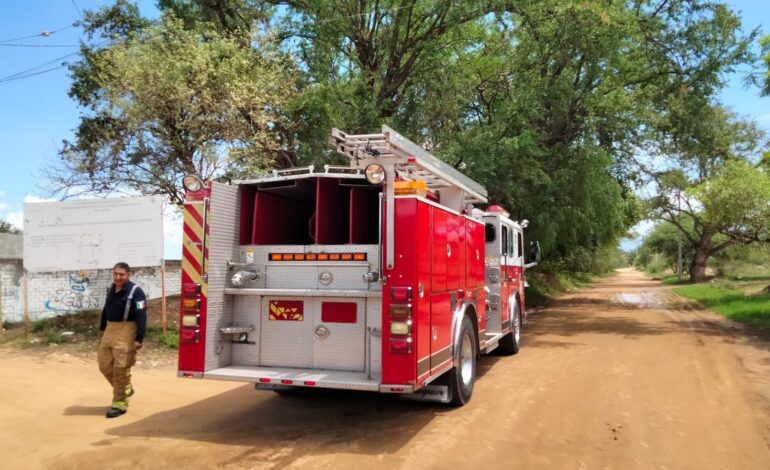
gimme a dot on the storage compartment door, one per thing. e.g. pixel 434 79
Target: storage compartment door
pixel 339 333
pixel 287 331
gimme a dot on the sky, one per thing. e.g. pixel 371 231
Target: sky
pixel 36 114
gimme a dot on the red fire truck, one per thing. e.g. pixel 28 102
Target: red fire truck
pixel 380 276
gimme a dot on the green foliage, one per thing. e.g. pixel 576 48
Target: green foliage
pixel 52 337
pixel 737 201
pixel 659 250
pixel 6 227
pixel 165 101
pixel 169 340
pixel 732 303
pixel 712 184
pixel 545 103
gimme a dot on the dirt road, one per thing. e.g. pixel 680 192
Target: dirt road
pixel 616 376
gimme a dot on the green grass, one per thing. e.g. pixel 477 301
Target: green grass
pixel 673 279
pixel 170 339
pixel 546 286
pixel 731 302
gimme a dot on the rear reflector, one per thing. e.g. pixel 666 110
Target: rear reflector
pixel 396 389
pixel 287 382
pixel 187 374
pixel 338 312
pixel 309 383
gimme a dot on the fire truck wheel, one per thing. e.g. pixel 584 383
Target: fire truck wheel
pixel 510 343
pixel 463 375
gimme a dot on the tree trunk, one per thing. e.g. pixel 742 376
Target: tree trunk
pixel 702 253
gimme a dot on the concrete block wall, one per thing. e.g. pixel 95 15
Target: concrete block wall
pixel 57 293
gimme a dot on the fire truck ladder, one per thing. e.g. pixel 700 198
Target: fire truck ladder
pixel 409 159
pixel 397 154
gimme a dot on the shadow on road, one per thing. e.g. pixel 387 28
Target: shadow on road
pixel 316 421
pixel 78 410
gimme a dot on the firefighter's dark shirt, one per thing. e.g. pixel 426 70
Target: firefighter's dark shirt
pixel 115 307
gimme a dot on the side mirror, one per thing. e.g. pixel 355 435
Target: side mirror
pixel 534 252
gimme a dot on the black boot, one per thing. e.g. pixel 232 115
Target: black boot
pixel 114 412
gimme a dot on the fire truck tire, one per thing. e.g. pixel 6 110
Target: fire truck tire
pixel 511 343
pixel 463 376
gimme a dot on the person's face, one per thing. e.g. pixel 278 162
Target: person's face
pixel 120 276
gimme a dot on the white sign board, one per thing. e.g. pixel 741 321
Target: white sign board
pixel 92 234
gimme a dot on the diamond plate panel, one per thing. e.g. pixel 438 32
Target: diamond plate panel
pixel 345 277
pixel 286 343
pixel 292 277
pixel 374 332
pixel 246 312
pixel 222 243
pixel 344 347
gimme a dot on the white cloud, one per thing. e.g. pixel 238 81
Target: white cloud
pixel 31 198
pixel 15 218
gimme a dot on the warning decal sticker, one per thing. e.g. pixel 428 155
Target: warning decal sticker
pixel 286 310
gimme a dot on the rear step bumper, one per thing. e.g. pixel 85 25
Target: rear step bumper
pixel 302 292
pixel 296 377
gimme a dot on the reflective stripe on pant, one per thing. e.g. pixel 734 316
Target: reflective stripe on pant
pixel 116 356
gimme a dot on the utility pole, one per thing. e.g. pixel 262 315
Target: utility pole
pixel 679 235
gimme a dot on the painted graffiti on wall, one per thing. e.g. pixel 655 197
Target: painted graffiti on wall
pixel 76 296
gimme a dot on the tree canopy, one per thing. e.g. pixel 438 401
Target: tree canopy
pixel 547 103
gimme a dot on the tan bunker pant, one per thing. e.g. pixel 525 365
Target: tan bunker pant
pixel 116 356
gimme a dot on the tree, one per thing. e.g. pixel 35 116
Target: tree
pixel 664 240
pixel 7 227
pixel 163 101
pixel 714 184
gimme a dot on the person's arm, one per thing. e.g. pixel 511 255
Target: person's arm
pixel 103 320
pixel 140 305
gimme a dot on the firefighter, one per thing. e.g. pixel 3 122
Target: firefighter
pixel 121 332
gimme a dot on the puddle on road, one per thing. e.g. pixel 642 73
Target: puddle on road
pixel 639 300
pixel 634 299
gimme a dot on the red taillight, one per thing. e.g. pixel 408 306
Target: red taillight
pixel 265 381
pixel 396 389
pixel 309 383
pixel 401 345
pixel 188 375
pixel 286 382
pixel 189 288
pixel 190 336
pixel 401 294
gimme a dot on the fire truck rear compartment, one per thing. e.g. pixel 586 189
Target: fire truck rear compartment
pixel 309 211
pixel 299 322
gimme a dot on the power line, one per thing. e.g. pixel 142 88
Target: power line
pixel 44 34
pixel 39 45
pixel 3 80
pixel 77 8
pixel 33 69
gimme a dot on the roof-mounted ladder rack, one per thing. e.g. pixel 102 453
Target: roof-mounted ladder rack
pixel 409 159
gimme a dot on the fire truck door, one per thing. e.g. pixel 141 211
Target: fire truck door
pixel 339 334
pixel 505 237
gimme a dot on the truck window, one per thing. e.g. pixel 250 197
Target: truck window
pixel 489 233
pixel 510 242
pixel 504 240
pixel 521 244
